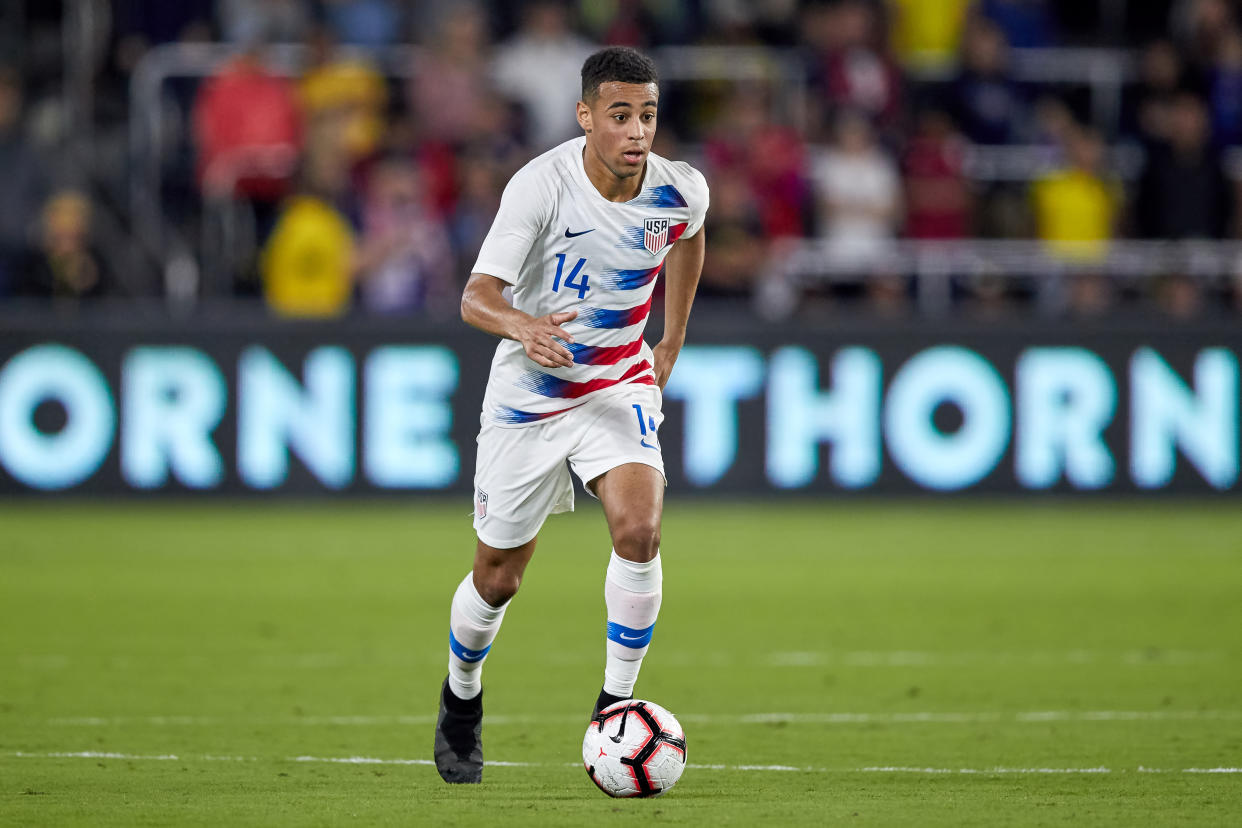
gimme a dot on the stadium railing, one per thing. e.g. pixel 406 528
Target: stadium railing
pixel 936 267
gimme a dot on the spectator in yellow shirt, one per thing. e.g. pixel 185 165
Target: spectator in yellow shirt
pixel 1076 207
pixel 349 86
pixel 927 33
pixel 307 264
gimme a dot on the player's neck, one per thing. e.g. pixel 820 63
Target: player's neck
pixel 611 186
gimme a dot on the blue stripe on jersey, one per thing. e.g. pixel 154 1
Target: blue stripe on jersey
pixel 583 353
pixel 632 239
pixel 613 279
pixel 545 385
pixel 468 656
pixel 629 637
pixel 663 196
pixel 603 318
pixel 513 416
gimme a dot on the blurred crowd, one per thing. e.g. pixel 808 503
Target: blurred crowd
pixel 364 189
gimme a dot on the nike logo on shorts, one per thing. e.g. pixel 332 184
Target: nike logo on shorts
pixel 570 235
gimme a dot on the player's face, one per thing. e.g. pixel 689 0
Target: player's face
pixel 620 124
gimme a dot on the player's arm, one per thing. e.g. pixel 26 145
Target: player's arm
pixel 483 305
pixel 681 279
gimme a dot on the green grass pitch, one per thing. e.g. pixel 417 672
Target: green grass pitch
pixel 928 663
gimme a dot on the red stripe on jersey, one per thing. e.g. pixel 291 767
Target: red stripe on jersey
pixel 573 390
pixel 596 355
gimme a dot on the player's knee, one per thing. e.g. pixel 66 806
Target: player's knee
pixel 498 585
pixel 637 538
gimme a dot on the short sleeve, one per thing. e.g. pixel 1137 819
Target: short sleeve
pixel 698 201
pixel 518 222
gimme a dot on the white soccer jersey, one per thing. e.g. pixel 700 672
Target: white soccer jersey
pixel 563 246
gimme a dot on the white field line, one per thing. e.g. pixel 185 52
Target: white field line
pixel 930 658
pixel 816 718
pixel 701 658
pixel 1025 717
pixel 904 769
pixel 372 760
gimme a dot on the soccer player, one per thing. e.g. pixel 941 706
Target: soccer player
pixel 581 235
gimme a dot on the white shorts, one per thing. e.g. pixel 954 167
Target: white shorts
pixel 521 475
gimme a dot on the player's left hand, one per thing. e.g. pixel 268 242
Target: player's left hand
pixel 665 353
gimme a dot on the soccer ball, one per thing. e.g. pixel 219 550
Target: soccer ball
pixel 634 748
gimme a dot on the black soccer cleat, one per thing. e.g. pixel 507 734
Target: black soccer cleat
pixel 459 742
pixel 606 699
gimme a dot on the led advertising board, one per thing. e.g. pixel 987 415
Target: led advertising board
pixel 355 407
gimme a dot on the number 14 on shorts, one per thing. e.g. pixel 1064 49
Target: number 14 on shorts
pixel 646 428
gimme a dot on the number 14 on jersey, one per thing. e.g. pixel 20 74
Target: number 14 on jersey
pixel 582 285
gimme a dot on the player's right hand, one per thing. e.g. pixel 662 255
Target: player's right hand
pixel 539 338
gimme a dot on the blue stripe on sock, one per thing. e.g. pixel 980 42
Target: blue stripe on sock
pixel 469 656
pixel 627 637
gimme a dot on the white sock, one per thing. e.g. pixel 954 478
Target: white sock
pixel 473 624
pixel 632 592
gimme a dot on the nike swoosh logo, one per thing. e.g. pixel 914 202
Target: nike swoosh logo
pixel 642 443
pixel 570 235
pixel 625 637
pixel 469 654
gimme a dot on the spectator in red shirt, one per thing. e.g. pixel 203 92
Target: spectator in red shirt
pixel 938 198
pixel 247 127
pixel 770 156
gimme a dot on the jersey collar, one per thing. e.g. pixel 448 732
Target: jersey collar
pixel 579 148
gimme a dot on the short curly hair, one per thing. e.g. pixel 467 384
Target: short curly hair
pixel 616 63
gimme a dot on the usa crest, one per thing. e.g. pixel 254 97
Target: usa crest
pixel 655 234
pixel 480 508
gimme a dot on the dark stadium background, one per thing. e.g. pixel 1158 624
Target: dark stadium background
pixel 990 177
